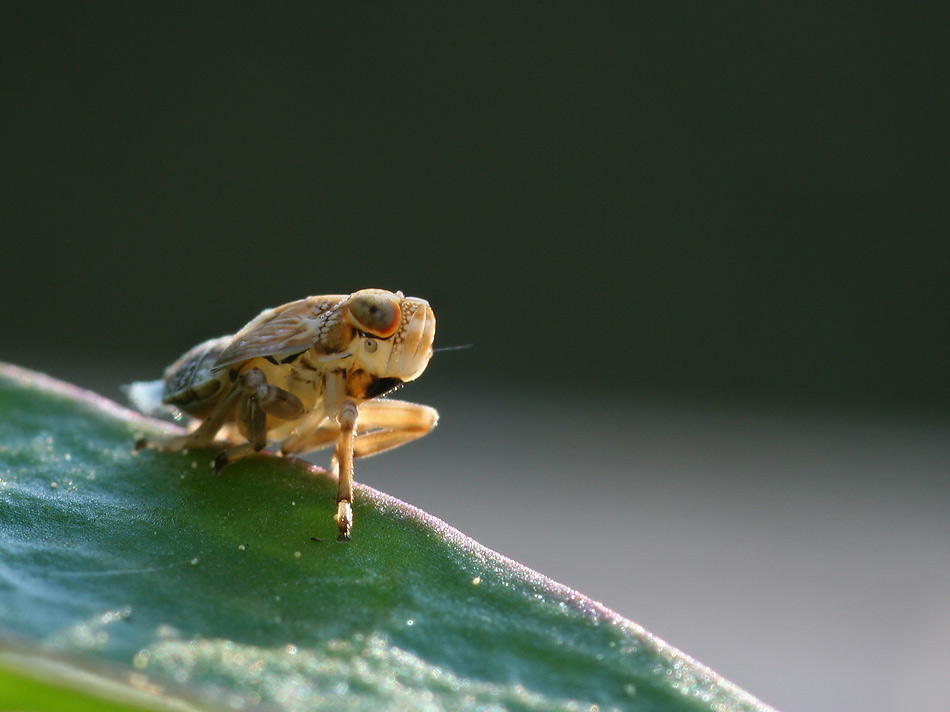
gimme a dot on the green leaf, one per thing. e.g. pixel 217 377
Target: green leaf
pixel 232 591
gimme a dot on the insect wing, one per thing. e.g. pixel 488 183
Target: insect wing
pixel 281 331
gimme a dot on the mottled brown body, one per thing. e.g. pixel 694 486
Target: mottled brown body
pixel 305 375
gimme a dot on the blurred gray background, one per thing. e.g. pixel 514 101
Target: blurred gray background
pixel 701 251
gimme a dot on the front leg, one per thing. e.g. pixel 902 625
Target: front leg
pixel 344 458
pixel 375 426
pixel 385 424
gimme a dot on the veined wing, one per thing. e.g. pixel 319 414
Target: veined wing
pixel 281 331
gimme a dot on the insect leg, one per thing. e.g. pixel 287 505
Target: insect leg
pixel 314 431
pixel 391 423
pixel 253 420
pixel 259 400
pixel 278 402
pixel 344 457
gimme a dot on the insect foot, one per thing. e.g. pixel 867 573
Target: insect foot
pixel 344 520
pixel 306 375
pixel 220 461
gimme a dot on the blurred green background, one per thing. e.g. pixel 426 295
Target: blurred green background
pixel 716 200
pixel 701 250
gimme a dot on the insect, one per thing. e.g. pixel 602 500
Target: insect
pixel 307 375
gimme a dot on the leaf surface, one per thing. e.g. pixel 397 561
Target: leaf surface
pixel 233 591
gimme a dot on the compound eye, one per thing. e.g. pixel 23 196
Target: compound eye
pixel 376 314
